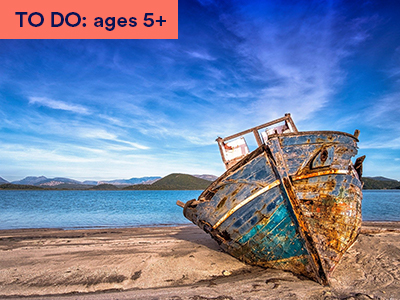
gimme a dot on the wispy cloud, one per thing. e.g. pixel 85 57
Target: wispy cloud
pixel 298 57
pixel 236 64
pixel 384 111
pixel 381 143
pixel 96 133
pixel 72 161
pixel 56 104
pixel 201 55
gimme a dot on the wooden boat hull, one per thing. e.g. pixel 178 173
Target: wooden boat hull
pixel 294 203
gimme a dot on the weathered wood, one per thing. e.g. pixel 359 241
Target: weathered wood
pixel 294 207
pixel 255 130
pixel 221 150
pixel 287 117
pixel 180 203
pixel 290 121
pixel 294 203
pixel 257 136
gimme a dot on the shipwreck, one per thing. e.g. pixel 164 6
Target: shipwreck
pixel 294 203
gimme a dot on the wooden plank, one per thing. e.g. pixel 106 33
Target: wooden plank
pixel 285 118
pixel 294 204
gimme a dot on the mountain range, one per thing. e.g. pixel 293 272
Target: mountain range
pixel 172 181
pixel 44 181
pixel 63 182
pixel 380 183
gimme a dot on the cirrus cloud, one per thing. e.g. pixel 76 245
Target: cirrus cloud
pixel 57 104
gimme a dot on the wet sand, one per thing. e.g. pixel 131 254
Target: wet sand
pixel 180 263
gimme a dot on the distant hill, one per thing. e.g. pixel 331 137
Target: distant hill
pixel 30 180
pixel 174 181
pixel 381 178
pixel 206 177
pixel 67 186
pixel 104 187
pixel 90 182
pixel 141 180
pixel 379 183
pixel 57 181
pixel 11 186
pixel 67 183
pixel 3 180
pixel 134 180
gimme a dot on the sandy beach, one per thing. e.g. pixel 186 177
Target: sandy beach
pixel 180 263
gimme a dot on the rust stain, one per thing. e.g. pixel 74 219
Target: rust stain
pixel 222 202
pixel 324 155
pixel 320 173
pixel 316 184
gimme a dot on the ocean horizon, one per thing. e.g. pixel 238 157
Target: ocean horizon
pixel 115 209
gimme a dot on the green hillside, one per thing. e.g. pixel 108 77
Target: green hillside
pixel 178 181
pixel 10 186
pixel 70 186
pixel 174 181
pixel 380 183
pixel 104 187
pixel 171 182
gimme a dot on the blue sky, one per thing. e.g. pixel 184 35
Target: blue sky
pixel 107 109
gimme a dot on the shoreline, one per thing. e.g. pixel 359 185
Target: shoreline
pixel 380 226
pixel 100 227
pixel 180 262
pixel 384 225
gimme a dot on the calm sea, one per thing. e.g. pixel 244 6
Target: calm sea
pixel 94 209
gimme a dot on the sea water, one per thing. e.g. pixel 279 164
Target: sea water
pixel 112 209
pixel 91 209
pixel 381 205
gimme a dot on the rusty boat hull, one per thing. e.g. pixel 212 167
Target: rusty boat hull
pixel 294 203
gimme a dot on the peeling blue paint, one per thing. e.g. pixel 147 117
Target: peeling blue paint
pixel 303 224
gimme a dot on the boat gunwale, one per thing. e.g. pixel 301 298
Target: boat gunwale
pixel 264 148
pixel 302 133
pixel 253 154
